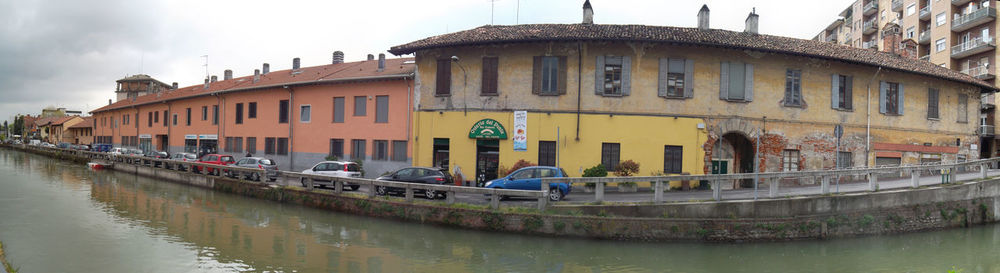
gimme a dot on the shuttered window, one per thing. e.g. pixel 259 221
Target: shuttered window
pixel 610 156
pixel 793 87
pixel 252 145
pixel 736 81
pixel 612 76
pixel 381 109
pixel 358 149
pixel 676 78
pixel 380 149
pixel 360 104
pixel 399 150
pixel 252 110
pixel 546 153
pixel 790 160
pixel 269 145
pixel 338 109
pixel 283 111
pixel 673 157
pixel 890 98
pixel 549 75
pixel 490 75
pixel 443 83
pixel 337 148
pixel 963 108
pixel 842 92
pixel 282 146
pixel 932 103
pixel 239 113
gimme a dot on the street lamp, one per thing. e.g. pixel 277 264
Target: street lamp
pixel 465 82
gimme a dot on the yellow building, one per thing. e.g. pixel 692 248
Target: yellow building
pixel 679 100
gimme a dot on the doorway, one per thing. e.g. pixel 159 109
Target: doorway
pixel 487 160
pixel 162 139
pixel 734 153
pixel 207 146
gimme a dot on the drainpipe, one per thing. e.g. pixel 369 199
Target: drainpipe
pixel 218 127
pixel 409 110
pixel 579 85
pixel 868 125
pixel 169 124
pixel 136 125
pixel 291 122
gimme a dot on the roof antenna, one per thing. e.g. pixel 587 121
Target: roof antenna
pixel 205 65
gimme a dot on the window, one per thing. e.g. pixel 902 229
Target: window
pixel 441 150
pixel 790 160
pixel 269 145
pixel 891 98
pixel 443 83
pixel 188 115
pixel 165 118
pixel 399 150
pixel 204 113
pixel 282 146
pixel 939 45
pixel 490 74
pixel 841 92
pixel 546 153
pixel 548 76
pixel 737 81
pixel 215 115
pixel 676 78
pixel 359 106
pixel 932 103
pixel 229 145
pixel 963 108
pixel 381 109
pixel 793 87
pixel 252 110
pixel 845 160
pixel 940 19
pixel 338 109
pixel 305 114
pixel 239 113
pixel 283 111
pixel 156 117
pixel 673 158
pixel 238 145
pixel 610 155
pixel 136 120
pixel 911 9
pixel 149 120
pixel 358 149
pixel 380 149
pixel 252 145
pixel 910 32
pixel 337 148
pixel 611 84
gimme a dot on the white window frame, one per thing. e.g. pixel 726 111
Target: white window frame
pixel 305 118
pixel 911 9
pixel 940 45
pixel 940 19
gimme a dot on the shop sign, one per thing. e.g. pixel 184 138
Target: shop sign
pixel 488 129
pixel 520 137
pixel 145 136
pixel 208 136
pixel 190 136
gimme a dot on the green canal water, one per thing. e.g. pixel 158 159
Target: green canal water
pixel 61 217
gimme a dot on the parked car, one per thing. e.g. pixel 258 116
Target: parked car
pixel 215 159
pixel 334 169
pixel 416 175
pixel 118 151
pixel 101 148
pixel 530 178
pixel 185 157
pixel 64 145
pixel 157 155
pixel 270 168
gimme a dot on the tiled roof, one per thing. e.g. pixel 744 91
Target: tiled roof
pixel 44 121
pixel 61 120
pixel 362 70
pixel 87 122
pixel 684 36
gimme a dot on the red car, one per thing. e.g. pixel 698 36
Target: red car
pixel 215 159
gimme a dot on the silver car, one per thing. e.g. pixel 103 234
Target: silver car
pixel 185 157
pixel 334 169
pixel 269 167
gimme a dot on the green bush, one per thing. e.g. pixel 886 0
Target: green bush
pixel 595 171
pixel 332 158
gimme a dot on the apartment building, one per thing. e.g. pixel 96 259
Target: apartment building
pixel 356 110
pixel 678 100
pixel 956 34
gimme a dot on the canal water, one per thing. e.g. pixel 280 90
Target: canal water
pixel 61 217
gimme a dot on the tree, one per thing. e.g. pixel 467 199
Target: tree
pixel 18 125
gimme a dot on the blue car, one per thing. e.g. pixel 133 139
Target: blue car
pixel 530 178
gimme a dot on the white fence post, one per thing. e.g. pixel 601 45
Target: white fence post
pixel 982 171
pixel 872 181
pixel 599 191
pixel 915 178
pixel 716 189
pixel 772 185
pixel 824 184
pixel 658 191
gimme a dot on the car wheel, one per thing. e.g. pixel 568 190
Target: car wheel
pixel 555 195
pixel 430 194
pixel 273 179
pixel 303 180
pixel 381 190
pixel 255 177
pixel 355 187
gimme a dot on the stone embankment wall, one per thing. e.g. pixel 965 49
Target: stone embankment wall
pixel 930 208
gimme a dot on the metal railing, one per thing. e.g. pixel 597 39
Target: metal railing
pixel 981 71
pixel 869 44
pixel 986 130
pixel 831 38
pixel 976 44
pixel 897 5
pixel 925 58
pixel 924 37
pixel 925 13
pixel 987 101
pixel 963 22
pixel 869 26
pixel 871 7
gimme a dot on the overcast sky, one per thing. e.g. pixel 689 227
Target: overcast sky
pixel 69 53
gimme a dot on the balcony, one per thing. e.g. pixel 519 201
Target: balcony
pixel 869 44
pixel 925 13
pixel 926 58
pixel 980 72
pixel 959 2
pixel 975 46
pixel 870 27
pixel 897 5
pixel 870 8
pixel 987 102
pixel 967 21
pixel 986 130
pixel 831 38
pixel 925 37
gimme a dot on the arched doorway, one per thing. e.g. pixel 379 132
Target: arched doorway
pixel 734 153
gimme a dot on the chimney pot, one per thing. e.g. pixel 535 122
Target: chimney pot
pixel 295 64
pixel 109 101
pixel 215 78
pixel 588 13
pixel 752 22
pixel 266 69
pixel 338 57
pixel 256 73
pixel 227 75
pixel 703 17
pixel 381 62
pixel 371 57
pixel 174 86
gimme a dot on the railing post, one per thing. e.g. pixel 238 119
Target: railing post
pixel 716 189
pixel 982 171
pixel 872 181
pixel 545 196
pixel 449 197
pixel 409 193
pixel 309 184
pixel 915 178
pixel 658 191
pixel 495 200
pixel 338 186
pixel 371 189
pixel 824 184
pixel 599 191
pixel 952 174
pixel 772 185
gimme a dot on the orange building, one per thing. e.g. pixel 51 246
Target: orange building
pixel 358 110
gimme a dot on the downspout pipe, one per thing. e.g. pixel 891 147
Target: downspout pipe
pixel 579 85
pixel 868 125
pixel 291 123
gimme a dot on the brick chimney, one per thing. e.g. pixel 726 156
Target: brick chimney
pixel 266 68
pixel 338 57
pixel 703 17
pixel 588 13
pixel 891 37
pixel 751 22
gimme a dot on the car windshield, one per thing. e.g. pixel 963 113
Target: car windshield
pixel 227 158
pixel 353 168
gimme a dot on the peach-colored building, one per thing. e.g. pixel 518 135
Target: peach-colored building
pixel 82 132
pixel 298 117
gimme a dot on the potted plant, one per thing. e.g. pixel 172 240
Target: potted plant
pixel 625 169
pixel 595 171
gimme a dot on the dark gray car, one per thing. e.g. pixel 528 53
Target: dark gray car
pixel 268 165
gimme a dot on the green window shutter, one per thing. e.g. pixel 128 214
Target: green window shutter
pixel 900 97
pixel 688 78
pixel 599 76
pixel 724 80
pixel 749 82
pixel 626 75
pixel 536 76
pixel 835 92
pixel 661 88
pixel 849 100
pixel 882 86
pixel 561 82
